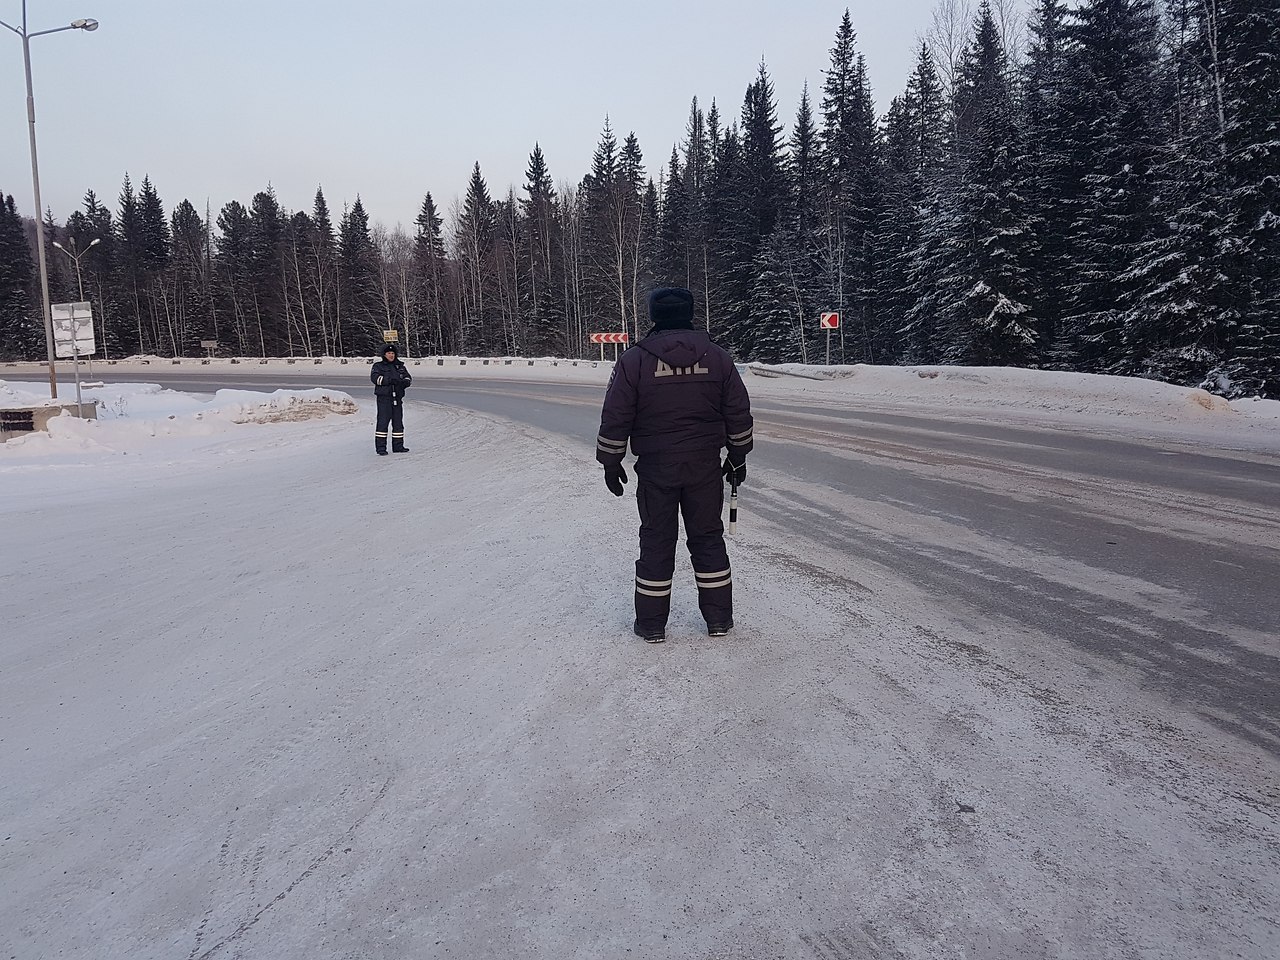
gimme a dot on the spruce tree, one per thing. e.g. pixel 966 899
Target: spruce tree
pixel 674 260
pixel 604 237
pixel 546 308
pixel 477 225
pixel 99 271
pixel 732 242
pixel 850 145
pixel 1250 31
pixel 991 319
pixel 303 317
pixel 798 247
pixel 131 243
pixel 21 329
pixel 638 224
pixel 755 182
pixel 322 276
pixel 430 263
pixel 1115 112
pixel 362 317
pixel 1053 181
pixel 192 318
pixel 918 221
pixel 779 306
pixel 1180 311
pixel 266 272
pixel 803 170
pixel 233 265
pixel 701 144
pixel 153 227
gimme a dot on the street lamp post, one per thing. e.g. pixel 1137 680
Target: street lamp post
pixel 80 283
pixel 26 36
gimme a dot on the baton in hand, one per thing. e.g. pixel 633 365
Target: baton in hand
pixel 733 504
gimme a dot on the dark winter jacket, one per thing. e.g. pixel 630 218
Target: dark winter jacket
pixel 674 396
pixel 389 379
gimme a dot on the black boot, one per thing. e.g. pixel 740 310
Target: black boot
pixel 380 444
pixel 649 634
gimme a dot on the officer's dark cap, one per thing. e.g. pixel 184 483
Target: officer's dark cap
pixel 671 308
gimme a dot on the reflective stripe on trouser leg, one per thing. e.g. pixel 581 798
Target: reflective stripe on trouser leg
pixel 386 410
pixel 659 526
pixel 701 504
pixel 715 596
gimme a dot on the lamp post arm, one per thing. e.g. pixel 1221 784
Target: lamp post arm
pixel 41 33
pixel 11 27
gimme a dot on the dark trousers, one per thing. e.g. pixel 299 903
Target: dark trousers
pixel 390 412
pixel 664 493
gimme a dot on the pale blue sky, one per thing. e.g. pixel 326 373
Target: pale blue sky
pixel 389 98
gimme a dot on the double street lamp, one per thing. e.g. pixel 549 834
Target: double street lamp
pixel 80 280
pixel 26 36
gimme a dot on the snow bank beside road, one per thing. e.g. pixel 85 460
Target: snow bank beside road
pixel 143 418
pixel 1007 393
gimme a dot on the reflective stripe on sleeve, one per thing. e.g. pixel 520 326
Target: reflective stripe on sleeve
pixel 609 445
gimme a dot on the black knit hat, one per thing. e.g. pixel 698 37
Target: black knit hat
pixel 671 308
pixel 389 348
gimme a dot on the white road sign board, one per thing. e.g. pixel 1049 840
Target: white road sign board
pixel 73 329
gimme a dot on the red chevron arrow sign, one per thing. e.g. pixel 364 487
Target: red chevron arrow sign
pixel 610 337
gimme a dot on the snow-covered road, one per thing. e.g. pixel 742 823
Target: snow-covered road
pixel 269 697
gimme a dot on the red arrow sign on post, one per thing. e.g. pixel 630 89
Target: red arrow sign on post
pixel 828 321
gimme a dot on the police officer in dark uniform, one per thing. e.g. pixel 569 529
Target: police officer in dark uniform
pixel 677 398
pixel 390 378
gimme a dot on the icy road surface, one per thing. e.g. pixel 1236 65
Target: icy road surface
pixel 995 693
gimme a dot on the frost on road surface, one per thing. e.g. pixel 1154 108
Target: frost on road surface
pixel 264 695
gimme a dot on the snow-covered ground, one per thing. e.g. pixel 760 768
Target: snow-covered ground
pixel 263 694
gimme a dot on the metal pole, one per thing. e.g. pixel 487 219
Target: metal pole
pixel 75 353
pixel 35 184
pixel 80 284
pixel 828 346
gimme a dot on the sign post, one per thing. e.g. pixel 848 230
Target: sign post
pixel 210 346
pixel 73 337
pixel 829 321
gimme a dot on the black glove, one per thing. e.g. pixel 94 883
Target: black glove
pixel 614 478
pixel 734 473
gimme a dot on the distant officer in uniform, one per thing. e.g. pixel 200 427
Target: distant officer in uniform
pixel 390 378
pixel 678 399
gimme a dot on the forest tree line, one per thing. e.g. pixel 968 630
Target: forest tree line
pixel 1097 190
